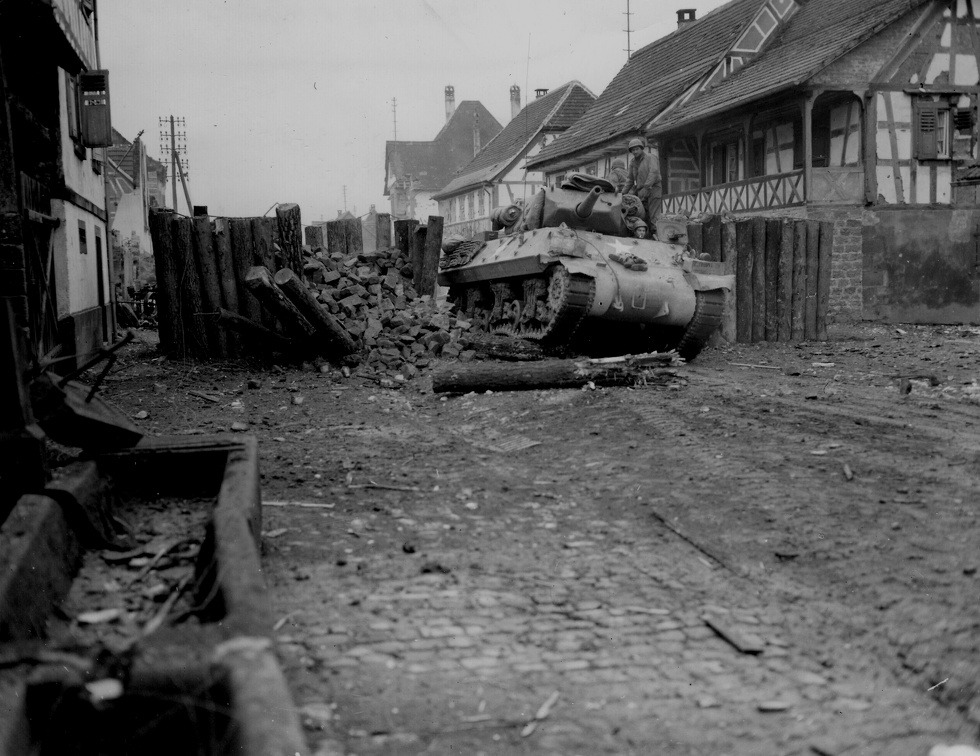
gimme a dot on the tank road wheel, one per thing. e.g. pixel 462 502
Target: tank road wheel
pixel 708 310
pixel 570 296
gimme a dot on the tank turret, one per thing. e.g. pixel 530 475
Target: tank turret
pixel 569 265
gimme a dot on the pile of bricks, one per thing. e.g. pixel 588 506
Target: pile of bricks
pixel 371 294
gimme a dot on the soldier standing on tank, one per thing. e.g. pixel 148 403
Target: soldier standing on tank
pixel 617 175
pixel 644 179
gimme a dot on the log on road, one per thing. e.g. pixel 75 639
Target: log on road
pixel 521 376
pixel 490 347
pixel 260 283
pixel 333 338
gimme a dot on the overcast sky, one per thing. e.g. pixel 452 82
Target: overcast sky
pixel 291 100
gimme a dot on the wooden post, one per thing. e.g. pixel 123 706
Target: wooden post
pixel 774 231
pixel 168 303
pixel 334 337
pixel 259 281
pixel 812 261
pixel 823 277
pixel 242 251
pixel 416 255
pixel 744 307
pixel 784 300
pixel 695 236
pixel 382 231
pixel 291 237
pixel 354 237
pixel 430 257
pixel 759 279
pixel 207 266
pixel 711 238
pixel 404 233
pixel 336 238
pixel 728 256
pixel 189 287
pixel 226 278
pixel 799 279
pixel 314 237
pixel 263 253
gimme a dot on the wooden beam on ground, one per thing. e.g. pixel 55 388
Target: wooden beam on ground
pixel 260 283
pixel 333 339
pixel 464 377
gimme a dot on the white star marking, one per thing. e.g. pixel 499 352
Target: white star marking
pixel 621 248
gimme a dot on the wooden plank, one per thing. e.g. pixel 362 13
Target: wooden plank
pixel 823 277
pixel 728 256
pixel 168 302
pixel 189 288
pixel 774 231
pixel 227 281
pixel 430 256
pixel 207 268
pixel 744 307
pixel 263 253
pixel 799 280
pixel 812 262
pixel 758 279
pixel 242 251
pixel 711 238
pixel 290 227
pixel 784 298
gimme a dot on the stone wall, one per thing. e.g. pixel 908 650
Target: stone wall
pixel 846 278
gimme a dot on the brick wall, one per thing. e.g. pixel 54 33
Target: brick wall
pixel 846 278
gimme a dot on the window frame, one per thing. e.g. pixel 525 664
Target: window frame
pixel 932 129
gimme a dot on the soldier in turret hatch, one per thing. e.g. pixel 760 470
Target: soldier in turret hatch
pixel 644 179
pixel 617 175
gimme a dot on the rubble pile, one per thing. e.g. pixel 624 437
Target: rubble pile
pixel 397 331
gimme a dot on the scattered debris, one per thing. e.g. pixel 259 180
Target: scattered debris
pixel 760 367
pixel 541 714
pixel 770 707
pixel 742 642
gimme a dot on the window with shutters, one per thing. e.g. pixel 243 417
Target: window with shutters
pixel 932 130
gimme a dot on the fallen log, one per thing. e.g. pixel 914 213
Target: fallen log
pixel 523 376
pixel 259 282
pixel 333 336
pixel 490 347
pixel 255 333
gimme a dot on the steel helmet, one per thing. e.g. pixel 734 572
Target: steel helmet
pixel 636 143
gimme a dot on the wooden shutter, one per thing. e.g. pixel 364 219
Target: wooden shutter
pixel 926 123
pixel 96 122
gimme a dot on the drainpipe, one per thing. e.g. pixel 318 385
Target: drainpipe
pixel 110 312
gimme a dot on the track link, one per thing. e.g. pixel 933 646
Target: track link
pixel 708 310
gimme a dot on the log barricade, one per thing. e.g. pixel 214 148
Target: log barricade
pixel 217 296
pixel 782 272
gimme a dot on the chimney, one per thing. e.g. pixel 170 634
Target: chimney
pixel 686 16
pixel 450 101
pixel 476 134
pixel 539 93
pixel 515 101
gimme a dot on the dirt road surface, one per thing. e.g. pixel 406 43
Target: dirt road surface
pixel 776 554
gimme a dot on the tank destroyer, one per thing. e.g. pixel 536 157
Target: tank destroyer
pixel 569 265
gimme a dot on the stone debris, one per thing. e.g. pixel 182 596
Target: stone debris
pixel 397 331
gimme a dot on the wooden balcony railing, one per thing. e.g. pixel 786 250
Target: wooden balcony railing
pixel 763 193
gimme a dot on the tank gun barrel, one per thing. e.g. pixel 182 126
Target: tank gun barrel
pixel 584 208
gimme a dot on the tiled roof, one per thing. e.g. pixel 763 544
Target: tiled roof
pixel 820 32
pixel 434 163
pixel 554 111
pixel 652 78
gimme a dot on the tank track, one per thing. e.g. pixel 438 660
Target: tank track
pixel 708 309
pixel 560 304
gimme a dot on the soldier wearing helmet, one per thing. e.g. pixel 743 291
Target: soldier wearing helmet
pixel 644 179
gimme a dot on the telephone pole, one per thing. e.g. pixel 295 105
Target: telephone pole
pixel 174 144
pixel 394 117
pixel 628 30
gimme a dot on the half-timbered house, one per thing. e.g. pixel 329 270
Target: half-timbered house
pixel 862 112
pixel 54 122
pixel 496 176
